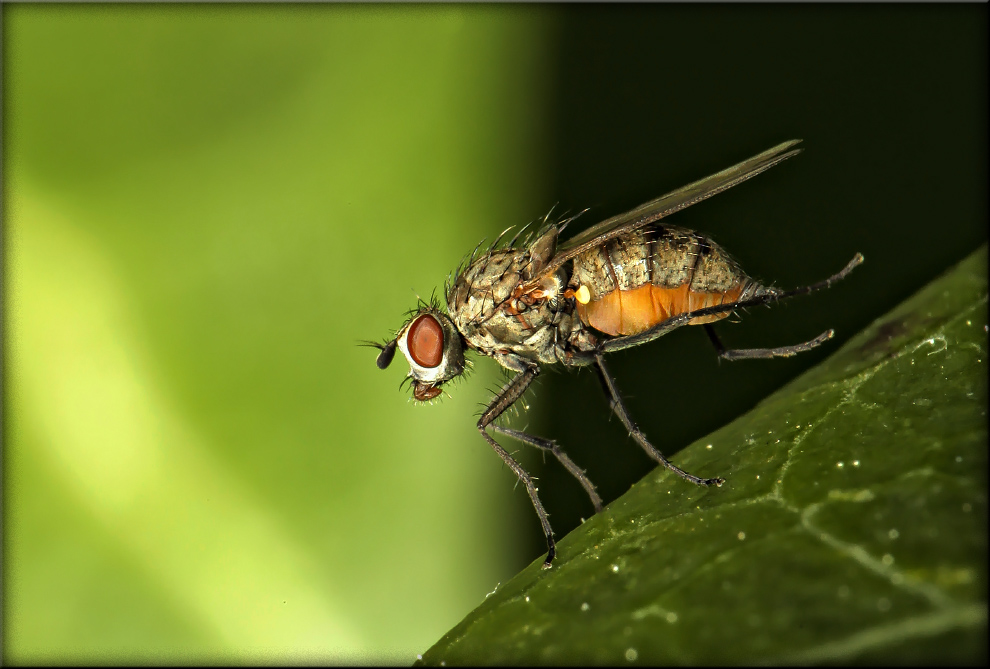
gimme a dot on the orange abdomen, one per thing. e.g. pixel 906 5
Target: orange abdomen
pixel 628 312
pixel 635 281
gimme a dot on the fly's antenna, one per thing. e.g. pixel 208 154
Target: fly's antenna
pixel 387 351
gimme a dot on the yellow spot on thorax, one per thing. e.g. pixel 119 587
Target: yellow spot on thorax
pixel 583 295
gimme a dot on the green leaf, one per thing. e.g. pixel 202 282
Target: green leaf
pixel 852 526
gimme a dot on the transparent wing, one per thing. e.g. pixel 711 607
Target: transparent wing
pixel 667 204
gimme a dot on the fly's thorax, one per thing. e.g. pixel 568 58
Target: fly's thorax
pixel 574 338
pixel 489 307
pixel 434 350
pixel 479 290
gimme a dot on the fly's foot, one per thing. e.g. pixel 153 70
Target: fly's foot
pixel 717 482
pixel 551 551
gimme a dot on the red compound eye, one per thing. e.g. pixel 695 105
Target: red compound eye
pixel 425 341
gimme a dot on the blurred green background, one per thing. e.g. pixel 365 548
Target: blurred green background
pixel 206 207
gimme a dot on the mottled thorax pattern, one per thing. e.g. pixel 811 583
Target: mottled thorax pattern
pixel 495 318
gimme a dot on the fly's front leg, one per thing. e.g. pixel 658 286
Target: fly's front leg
pixel 779 352
pixel 550 445
pixel 608 383
pixel 512 391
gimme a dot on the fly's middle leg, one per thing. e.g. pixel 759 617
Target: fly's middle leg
pixel 552 447
pixel 778 352
pixel 608 383
pixel 511 392
pixel 527 481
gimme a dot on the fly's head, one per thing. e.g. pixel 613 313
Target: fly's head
pixel 434 349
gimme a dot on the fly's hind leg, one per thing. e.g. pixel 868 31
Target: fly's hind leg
pixel 511 392
pixel 608 383
pixel 684 318
pixel 552 447
pixel 779 352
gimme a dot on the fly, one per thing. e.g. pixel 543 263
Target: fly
pixel 621 283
